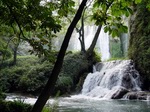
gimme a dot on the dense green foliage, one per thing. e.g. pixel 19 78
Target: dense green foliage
pixel 2 95
pixel 139 49
pixel 73 67
pixel 34 21
pixel 30 74
pixel 4 52
pixel 20 106
pixel 16 106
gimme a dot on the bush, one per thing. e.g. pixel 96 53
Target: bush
pixel 74 66
pixel 16 106
pixel 28 75
pixel 2 95
pixel 35 79
pixel 5 53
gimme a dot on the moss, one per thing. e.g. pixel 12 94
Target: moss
pixel 139 49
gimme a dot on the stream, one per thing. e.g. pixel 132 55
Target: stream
pixel 117 80
pixel 81 103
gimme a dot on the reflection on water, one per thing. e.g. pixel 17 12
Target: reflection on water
pixel 86 104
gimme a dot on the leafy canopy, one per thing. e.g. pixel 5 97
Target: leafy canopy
pixel 111 14
pixel 37 21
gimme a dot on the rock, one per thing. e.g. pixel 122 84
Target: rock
pixel 138 95
pixel 119 93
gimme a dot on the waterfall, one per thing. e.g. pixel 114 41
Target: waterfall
pixel 102 45
pixel 112 80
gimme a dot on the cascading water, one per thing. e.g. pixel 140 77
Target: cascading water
pixel 102 45
pixel 112 80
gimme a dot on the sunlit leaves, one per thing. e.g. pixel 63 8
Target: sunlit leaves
pixel 148 5
pixel 138 1
pixel 110 13
pixel 99 16
pixel 115 29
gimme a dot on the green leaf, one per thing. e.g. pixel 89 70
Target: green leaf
pixel 115 33
pixel 106 29
pixel 124 29
pixel 138 1
pixel 130 10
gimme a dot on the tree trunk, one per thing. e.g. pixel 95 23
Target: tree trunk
pixel 15 56
pixel 15 51
pixel 48 89
pixel 81 34
pixel 92 46
pixel 82 30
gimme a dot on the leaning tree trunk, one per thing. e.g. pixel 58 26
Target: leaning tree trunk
pixel 48 89
pixel 92 46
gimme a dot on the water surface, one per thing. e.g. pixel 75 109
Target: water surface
pixel 102 105
pixel 81 103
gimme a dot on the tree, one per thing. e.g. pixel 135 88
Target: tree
pixel 48 89
pixel 30 17
pixel 109 14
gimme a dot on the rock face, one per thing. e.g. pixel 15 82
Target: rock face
pixel 140 95
pixel 112 80
pixel 139 49
pixel 120 93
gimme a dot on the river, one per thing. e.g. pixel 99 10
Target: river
pixel 111 80
pixel 80 103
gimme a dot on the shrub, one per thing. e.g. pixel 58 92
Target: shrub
pixel 74 66
pixel 28 75
pixel 16 106
pixel 5 52
pixel 2 95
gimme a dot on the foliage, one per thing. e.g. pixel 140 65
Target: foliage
pixel 16 106
pixel 4 52
pixel 28 75
pixel 110 13
pixel 51 107
pixel 73 63
pixel 74 66
pixel 97 57
pixel 139 49
pixel 115 48
pixel 35 79
pixel 35 21
pixel 2 95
